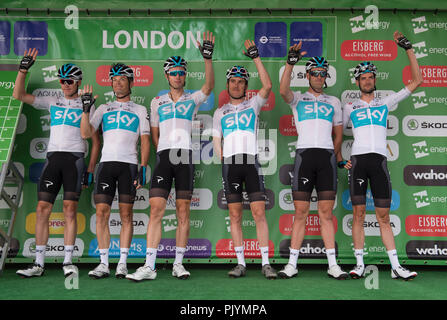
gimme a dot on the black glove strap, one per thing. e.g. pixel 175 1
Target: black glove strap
pixel 207 49
pixel 404 43
pixel 87 102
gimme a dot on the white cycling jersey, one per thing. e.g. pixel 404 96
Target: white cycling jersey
pixel 369 122
pixel 65 123
pixel 122 124
pixel 314 118
pixel 238 124
pixel 175 119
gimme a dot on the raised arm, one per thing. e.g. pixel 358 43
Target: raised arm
pixel 19 92
pixel 416 76
pixel 207 52
pixel 253 53
pixel 293 57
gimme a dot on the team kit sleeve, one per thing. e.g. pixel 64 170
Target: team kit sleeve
pixel 337 120
pixel 96 119
pixel 346 114
pixel 296 98
pixel 217 127
pixel 154 117
pixel 144 122
pixel 258 102
pixel 397 97
pixel 199 97
pixel 43 103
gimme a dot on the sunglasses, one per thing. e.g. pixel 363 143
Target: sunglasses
pixel 318 73
pixel 181 73
pixel 67 81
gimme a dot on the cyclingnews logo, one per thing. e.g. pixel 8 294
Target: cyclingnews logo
pixel 422 149
pixel 421 25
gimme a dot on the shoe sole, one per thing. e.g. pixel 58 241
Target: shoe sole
pixel 183 277
pixel 405 279
pixel 120 276
pixel 283 275
pixel 138 280
pixel 235 276
pixel 271 277
pixel 341 277
pixel 356 276
pixel 98 277
pixel 26 277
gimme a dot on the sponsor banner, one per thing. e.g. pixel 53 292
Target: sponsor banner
pixel 426 225
pixel 310 249
pixel 202 199
pixel 353 95
pixel 224 98
pixel 312 224
pixel 55 248
pixel 310 33
pixel 420 100
pixel 169 223
pixel 425 199
pixel 286 200
pixel 49 74
pixel 434 76
pixel 30 34
pixel 287 126
pixel 298 77
pixel 371 225
pixel 423 175
pixel 367 50
pixel 271 39
pixel 137 248
pixel 425 126
pixel 56 223
pixel 196 248
pixel 347 204
pixel 5 37
pixel 143 76
pixel 422 149
pixel 392 149
pixel 38 148
pixel 269 203
pixel 427 250
pixel 140 222
pixel 225 249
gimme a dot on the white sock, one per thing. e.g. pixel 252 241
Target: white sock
pixel 68 254
pixel 40 255
pixel 331 258
pixel 151 255
pixel 104 256
pixel 359 256
pixel 264 255
pixel 293 258
pixel 392 254
pixel 124 252
pixel 179 253
pixel 240 255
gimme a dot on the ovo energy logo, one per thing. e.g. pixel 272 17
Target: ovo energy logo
pixel 370 22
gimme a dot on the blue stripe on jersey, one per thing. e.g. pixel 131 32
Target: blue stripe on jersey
pixel 244 120
pixel 65 116
pixel 120 120
pixel 181 110
pixel 310 110
pixel 369 116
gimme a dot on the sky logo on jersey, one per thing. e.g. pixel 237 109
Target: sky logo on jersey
pixel 311 111
pixel 271 39
pixel 30 34
pixel 65 116
pixel 244 120
pixel 369 116
pixel 5 37
pixel 181 110
pixel 120 120
pixel 311 35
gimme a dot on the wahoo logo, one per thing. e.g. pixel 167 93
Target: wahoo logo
pixel 370 116
pixel 120 120
pixel 315 110
pixel 244 120
pixel 181 110
pixel 65 116
pixel 420 149
pixel 420 50
pixel 419 25
pixel 421 199
pixel 419 100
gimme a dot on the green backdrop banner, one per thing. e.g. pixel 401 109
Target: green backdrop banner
pixel 417 127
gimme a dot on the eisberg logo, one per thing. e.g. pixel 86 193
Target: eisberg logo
pixel 426 225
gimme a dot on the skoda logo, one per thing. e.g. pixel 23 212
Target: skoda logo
pixel 263 40
pixel 349 223
pixel 413 124
pixel 41 147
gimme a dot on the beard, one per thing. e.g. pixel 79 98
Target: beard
pixel 177 87
pixel 236 98
pixel 362 90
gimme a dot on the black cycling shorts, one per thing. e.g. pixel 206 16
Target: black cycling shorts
pixel 370 167
pixel 242 169
pixel 61 169
pixel 173 165
pixel 314 168
pixel 108 175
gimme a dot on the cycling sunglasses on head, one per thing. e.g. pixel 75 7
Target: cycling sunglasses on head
pixel 67 81
pixel 322 73
pixel 181 73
